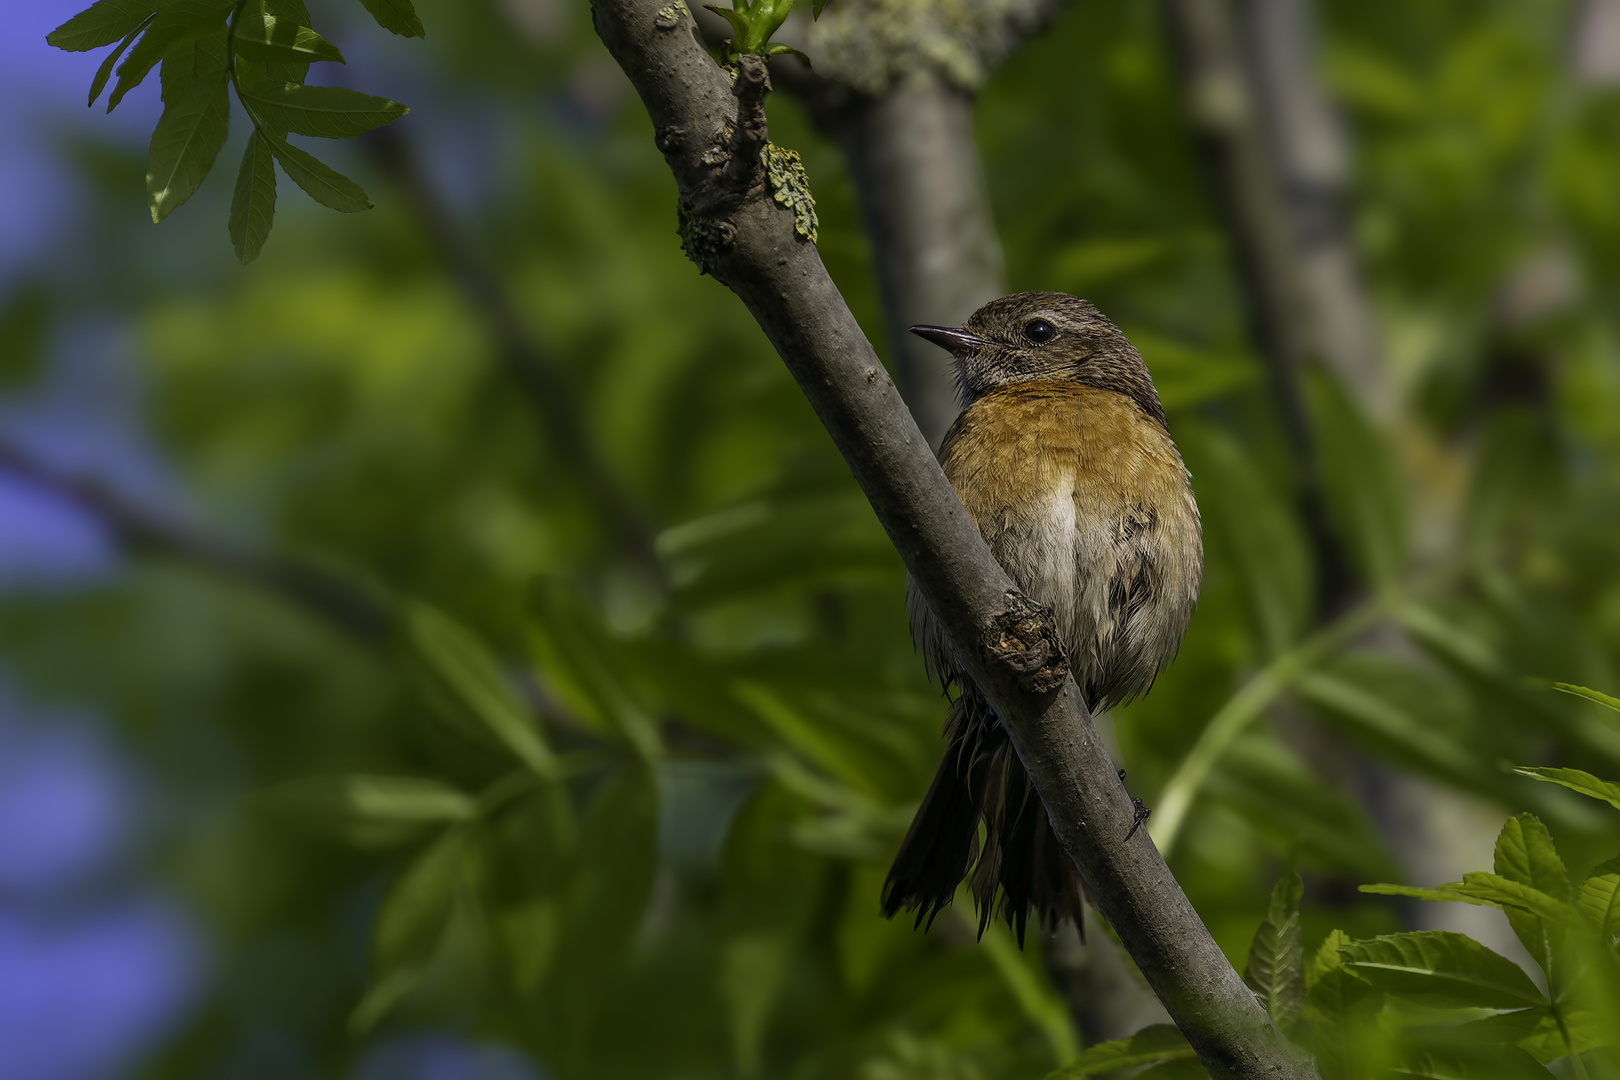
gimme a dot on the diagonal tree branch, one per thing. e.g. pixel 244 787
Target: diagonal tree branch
pixel 750 243
pixel 549 392
pixel 330 598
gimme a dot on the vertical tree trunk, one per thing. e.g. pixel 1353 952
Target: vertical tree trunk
pixel 921 188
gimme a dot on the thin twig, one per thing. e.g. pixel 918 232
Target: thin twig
pixel 329 597
pixel 549 392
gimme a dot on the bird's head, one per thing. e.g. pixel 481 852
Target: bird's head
pixel 1047 336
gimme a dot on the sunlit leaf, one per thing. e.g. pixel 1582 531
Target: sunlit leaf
pixel 1276 966
pixel 1443 969
pixel 192 129
pixel 1525 853
pixel 269 39
pixel 1444 895
pixel 1575 780
pixel 1603 699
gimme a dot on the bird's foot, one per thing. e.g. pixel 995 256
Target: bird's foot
pixel 1141 809
pixel 1142 812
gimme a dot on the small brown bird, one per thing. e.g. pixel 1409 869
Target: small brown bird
pixel 1062 457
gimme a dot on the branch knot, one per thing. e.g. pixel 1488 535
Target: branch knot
pixel 1023 636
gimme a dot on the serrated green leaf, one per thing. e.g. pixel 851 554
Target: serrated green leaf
pixel 1276 965
pixel 1442 969
pixel 102 23
pixel 271 39
pixel 1525 853
pixel 396 16
pixel 320 181
pixel 1575 780
pixel 1589 694
pixel 1506 893
pixel 253 203
pixel 459 666
pixel 1599 900
pixel 104 72
pixel 192 129
pixel 326 112
pixel 1153 1044
pixel 176 22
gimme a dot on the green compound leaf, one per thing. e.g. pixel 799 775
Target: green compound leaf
pixel 1443 969
pixel 102 23
pixel 1276 966
pixel 396 16
pixel 326 112
pixel 178 21
pixel 191 131
pixel 272 40
pixel 253 203
pixel 104 72
pixel 1150 1046
pixel 1576 780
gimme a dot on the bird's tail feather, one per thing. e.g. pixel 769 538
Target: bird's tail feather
pixel 1020 865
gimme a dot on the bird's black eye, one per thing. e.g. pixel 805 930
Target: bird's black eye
pixel 1040 332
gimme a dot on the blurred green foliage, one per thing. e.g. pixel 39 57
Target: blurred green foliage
pixel 676 873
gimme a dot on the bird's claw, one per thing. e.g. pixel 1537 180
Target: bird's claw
pixel 1142 813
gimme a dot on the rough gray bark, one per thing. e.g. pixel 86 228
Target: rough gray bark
pixel 749 243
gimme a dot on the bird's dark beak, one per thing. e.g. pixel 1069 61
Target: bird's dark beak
pixel 957 342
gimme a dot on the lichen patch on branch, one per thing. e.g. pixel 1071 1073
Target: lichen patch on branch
pixel 790 186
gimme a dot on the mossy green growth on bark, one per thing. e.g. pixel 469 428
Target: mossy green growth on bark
pixel 873 44
pixel 790 186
